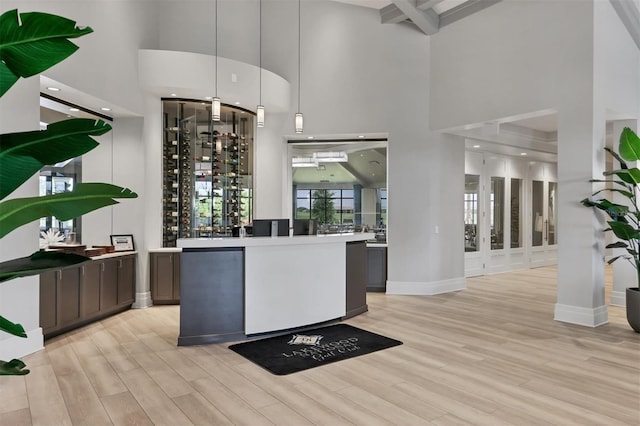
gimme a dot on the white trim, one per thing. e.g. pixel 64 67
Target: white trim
pixel 17 347
pixel 590 317
pixel 619 298
pixel 143 300
pixel 417 288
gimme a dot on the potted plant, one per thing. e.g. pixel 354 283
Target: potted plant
pixel 29 44
pixel 624 218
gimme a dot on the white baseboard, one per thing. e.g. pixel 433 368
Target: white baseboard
pixel 143 300
pixel 590 317
pixel 619 298
pixel 17 347
pixel 418 288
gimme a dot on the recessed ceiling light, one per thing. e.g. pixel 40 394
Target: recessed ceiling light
pixel 105 109
pixel 173 94
pixel 476 146
pixel 208 97
pixel 309 137
pixel 523 153
pixel 237 103
pixel 361 136
pixel 74 109
pixel 53 89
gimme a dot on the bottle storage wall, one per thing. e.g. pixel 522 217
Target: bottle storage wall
pixel 207 170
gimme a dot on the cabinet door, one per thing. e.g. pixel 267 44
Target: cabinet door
pixel 49 301
pixel 69 296
pixel 176 277
pixel 126 280
pixel 377 269
pixel 90 294
pixel 108 285
pixel 162 276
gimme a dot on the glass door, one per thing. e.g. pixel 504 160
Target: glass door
pixel 543 216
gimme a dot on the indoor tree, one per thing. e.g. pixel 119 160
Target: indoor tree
pixel 30 43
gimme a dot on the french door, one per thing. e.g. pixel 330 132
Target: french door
pixel 543 216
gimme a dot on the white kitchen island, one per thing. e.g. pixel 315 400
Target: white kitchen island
pixel 233 288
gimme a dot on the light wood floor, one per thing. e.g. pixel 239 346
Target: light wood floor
pixel 489 355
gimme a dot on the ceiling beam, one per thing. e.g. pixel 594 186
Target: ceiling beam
pixel 427 4
pixel 630 16
pixel 465 9
pixel 426 20
pixel 360 177
pixel 390 14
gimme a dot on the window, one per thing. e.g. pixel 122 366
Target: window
pixel 326 206
pixel 471 184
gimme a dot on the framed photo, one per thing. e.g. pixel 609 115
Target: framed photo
pixel 123 242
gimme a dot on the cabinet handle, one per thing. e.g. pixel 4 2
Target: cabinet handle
pixel 60 274
pixel 83 271
pixel 102 267
pixel 170 259
pixel 120 264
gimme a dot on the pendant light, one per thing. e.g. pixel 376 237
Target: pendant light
pixel 260 107
pixel 298 118
pixel 215 102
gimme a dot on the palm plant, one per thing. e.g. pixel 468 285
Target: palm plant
pixel 29 44
pixel 624 218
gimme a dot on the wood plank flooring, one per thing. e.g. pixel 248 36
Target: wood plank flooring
pixel 489 355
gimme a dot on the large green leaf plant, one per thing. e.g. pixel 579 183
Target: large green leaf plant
pixel 30 43
pixel 624 218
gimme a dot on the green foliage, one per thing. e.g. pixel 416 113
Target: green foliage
pixel 33 42
pixel 23 154
pixel 625 219
pixel 15 367
pixel 322 209
pixel 29 44
pixel 84 198
pixel 38 262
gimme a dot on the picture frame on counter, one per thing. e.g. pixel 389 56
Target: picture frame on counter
pixel 123 242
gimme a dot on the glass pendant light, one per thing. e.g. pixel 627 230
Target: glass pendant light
pixel 260 107
pixel 298 118
pixel 215 102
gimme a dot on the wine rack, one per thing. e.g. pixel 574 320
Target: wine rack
pixel 207 169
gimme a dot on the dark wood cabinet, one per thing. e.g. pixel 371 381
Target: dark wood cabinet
pixel 356 279
pixel 90 296
pixel 165 277
pixel 377 269
pixel 126 277
pixel 77 295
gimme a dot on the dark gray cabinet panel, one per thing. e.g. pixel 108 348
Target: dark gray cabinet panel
pixel 109 285
pixel 90 295
pixel 377 269
pixel 356 278
pixel 165 277
pixel 77 295
pixel 212 286
pixel 126 280
pixel 69 300
pixel 49 301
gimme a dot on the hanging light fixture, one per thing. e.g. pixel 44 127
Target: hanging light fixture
pixel 260 107
pixel 298 118
pixel 215 102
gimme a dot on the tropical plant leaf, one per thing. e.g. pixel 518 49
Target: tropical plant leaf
pixel 23 154
pixel 617 212
pixel 7 78
pixel 629 147
pixel 38 262
pixel 627 194
pixel 623 256
pixel 630 176
pixel 624 231
pixel 12 328
pixel 618 244
pixel 15 367
pixel 34 42
pixel 615 155
pixel 84 198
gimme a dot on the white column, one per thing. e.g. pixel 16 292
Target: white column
pixel 20 298
pixel 624 274
pixel 581 139
pixel 151 195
